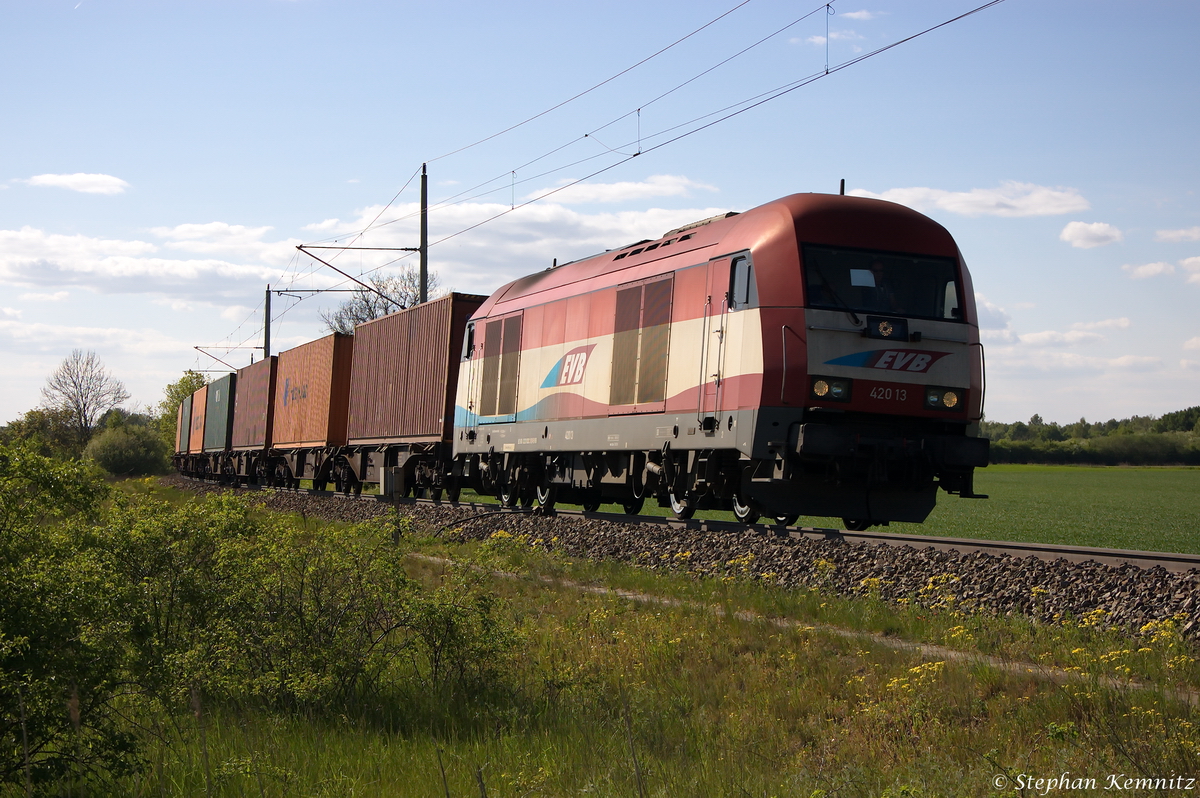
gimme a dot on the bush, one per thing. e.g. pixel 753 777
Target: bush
pixel 63 631
pixel 128 450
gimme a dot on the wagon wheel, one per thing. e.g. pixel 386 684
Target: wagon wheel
pixel 787 519
pixel 744 511
pixel 633 505
pixel 856 524
pixel 591 501
pixel 683 508
pixel 509 496
pixel 546 496
pixel 453 492
pixel 435 493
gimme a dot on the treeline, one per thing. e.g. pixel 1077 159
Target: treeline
pixel 1170 439
pixel 81 418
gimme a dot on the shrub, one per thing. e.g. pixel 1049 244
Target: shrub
pixel 128 450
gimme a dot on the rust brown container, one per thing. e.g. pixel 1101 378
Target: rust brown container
pixel 312 393
pixel 196 436
pixel 183 426
pixel 253 404
pixel 406 372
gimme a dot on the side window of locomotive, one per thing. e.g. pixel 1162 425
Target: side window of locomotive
pixel 468 341
pixel 743 293
pixel 950 307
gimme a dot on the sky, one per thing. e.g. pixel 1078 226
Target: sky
pixel 159 163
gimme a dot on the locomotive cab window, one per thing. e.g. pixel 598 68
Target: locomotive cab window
pixel 468 341
pixel 743 293
pixel 864 281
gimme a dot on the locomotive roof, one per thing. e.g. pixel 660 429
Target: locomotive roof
pixel 821 216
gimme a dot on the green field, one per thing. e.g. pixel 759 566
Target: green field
pixel 1146 509
pixel 1150 509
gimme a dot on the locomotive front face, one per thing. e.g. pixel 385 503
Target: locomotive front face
pixel 886 333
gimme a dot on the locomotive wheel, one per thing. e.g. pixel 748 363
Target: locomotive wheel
pixel 745 513
pixel 453 492
pixel 546 496
pixel 856 524
pixel 527 497
pixel 509 496
pixel 633 505
pixel 683 508
pixel 787 519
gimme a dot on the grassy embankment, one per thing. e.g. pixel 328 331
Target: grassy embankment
pixel 605 695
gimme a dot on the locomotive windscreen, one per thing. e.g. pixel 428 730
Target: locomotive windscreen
pixel 881 282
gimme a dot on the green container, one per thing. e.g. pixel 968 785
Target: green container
pixel 184 425
pixel 218 426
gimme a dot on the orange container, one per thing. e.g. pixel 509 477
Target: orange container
pixel 199 404
pixel 312 394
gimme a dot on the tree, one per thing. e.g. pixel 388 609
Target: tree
pixel 173 396
pixel 86 390
pixel 48 430
pixel 400 291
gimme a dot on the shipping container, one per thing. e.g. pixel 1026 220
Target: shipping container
pixel 254 403
pixel 312 394
pixel 406 372
pixel 219 422
pixel 183 426
pixel 196 436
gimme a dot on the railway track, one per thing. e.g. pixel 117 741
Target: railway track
pixel 1169 561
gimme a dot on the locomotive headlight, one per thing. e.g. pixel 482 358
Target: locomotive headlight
pixel 831 389
pixel 943 398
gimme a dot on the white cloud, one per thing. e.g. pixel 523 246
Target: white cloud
pixel 86 183
pixel 59 337
pixel 991 316
pixel 44 263
pixel 57 296
pixel 1084 235
pixel 229 240
pixel 834 36
pixel 653 186
pixel 321 227
pixel 1192 343
pixel 1022 360
pixel 1148 270
pixel 1070 338
pixel 1011 199
pixel 1190 365
pixel 1190 234
pixel 1192 267
pixel 858 15
pixel 10 313
pixel 236 312
pixel 1108 324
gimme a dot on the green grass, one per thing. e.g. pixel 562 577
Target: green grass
pixel 698 703
pixel 1147 509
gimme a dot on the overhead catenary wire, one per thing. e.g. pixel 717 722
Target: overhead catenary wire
pixel 723 114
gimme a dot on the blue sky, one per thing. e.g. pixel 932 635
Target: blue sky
pixel 160 161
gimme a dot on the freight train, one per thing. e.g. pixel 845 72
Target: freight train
pixel 818 355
